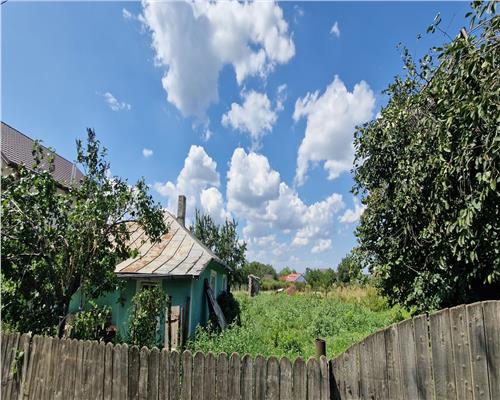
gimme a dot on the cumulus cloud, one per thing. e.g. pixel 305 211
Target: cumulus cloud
pixel 212 203
pixel 147 152
pixel 353 215
pixel 322 245
pixel 255 117
pixel 198 174
pixel 194 40
pixel 330 122
pixel 114 104
pixel 335 29
pixel 126 14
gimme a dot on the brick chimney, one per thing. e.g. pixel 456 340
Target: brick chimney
pixel 181 210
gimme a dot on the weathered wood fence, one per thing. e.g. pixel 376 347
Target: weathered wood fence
pixel 451 354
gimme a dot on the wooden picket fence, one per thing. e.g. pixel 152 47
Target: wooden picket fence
pixel 451 354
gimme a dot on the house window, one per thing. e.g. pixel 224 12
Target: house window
pixel 224 283
pixel 213 280
pixel 147 284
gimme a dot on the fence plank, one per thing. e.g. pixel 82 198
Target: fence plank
pixel 70 371
pixel 477 339
pixel 209 391
pixel 187 375
pixel 173 373
pixel 62 366
pixel 44 391
pixel 99 362
pixel 134 363
pixel 117 373
pixel 299 379
pixel 108 371
pixel 7 339
pixel 491 313
pixel 153 374
pixel 79 368
pixel 29 381
pixel 12 365
pixel 425 383
pixel 461 352
pixel 163 367
pixel 246 378
pixel 25 345
pixel 313 379
pixel 337 388
pixel 233 381
pixel 124 359
pixel 260 372
pixel 373 378
pixel 442 357
pixel 222 371
pixel 408 361
pixel 143 373
pixel 285 379
pixel 273 379
pixel 393 362
pixel 325 378
pixel 198 384
pixel 351 372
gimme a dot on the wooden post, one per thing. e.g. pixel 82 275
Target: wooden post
pixel 320 347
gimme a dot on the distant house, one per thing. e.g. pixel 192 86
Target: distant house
pixel 17 149
pixel 189 273
pixel 295 277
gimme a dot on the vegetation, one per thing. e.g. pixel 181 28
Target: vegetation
pixel 258 269
pixel 148 312
pixel 91 324
pixel 287 271
pixel 54 242
pixel 350 268
pixel 223 241
pixel 320 279
pixel 287 325
pixel 429 170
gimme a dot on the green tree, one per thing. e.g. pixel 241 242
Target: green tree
pixel 148 312
pixel 428 170
pixel 350 268
pixel 259 269
pixel 320 279
pixel 223 240
pixel 54 242
pixel 287 271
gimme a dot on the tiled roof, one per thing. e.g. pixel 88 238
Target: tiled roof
pixel 291 277
pixel 17 149
pixel 177 254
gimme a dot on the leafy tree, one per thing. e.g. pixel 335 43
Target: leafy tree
pixel 223 241
pixel 320 279
pixel 287 271
pixel 259 269
pixel 54 242
pixel 148 312
pixel 428 170
pixel 91 324
pixel 350 268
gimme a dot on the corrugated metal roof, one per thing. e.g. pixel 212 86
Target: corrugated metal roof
pixel 17 149
pixel 178 253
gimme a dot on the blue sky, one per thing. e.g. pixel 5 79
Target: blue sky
pixel 247 109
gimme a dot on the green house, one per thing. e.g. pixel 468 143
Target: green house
pixel 189 273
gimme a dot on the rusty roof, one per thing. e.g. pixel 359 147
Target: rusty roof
pixel 17 149
pixel 178 253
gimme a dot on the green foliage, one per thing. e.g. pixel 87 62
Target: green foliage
pixel 287 271
pixel 223 241
pixel 429 168
pixel 148 311
pixel 91 324
pixel 283 325
pixel 230 307
pixel 53 242
pixel 258 269
pixel 320 279
pixel 272 284
pixel 350 269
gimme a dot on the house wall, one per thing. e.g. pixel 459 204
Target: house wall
pixel 180 289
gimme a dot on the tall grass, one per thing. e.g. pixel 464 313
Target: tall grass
pixel 278 324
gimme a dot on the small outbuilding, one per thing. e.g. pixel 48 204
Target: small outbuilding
pixel 189 273
pixel 295 277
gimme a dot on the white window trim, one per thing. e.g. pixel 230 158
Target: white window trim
pixel 213 274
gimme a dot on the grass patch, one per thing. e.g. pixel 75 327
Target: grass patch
pixel 282 325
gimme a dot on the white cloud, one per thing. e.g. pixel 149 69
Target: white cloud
pixel 322 245
pixel 335 29
pixel 331 120
pixel 194 40
pixel 147 152
pixel 352 215
pixel 206 135
pixel 212 203
pixel 281 96
pixel 198 174
pixel 114 104
pixel 126 14
pixel 255 117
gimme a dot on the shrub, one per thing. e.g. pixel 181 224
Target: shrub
pixel 230 307
pixel 147 313
pixel 91 324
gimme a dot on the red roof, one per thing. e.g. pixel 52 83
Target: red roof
pixel 291 277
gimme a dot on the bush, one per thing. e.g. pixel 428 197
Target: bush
pixel 230 307
pixel 91 324
pixel 268 284
pixel 147 313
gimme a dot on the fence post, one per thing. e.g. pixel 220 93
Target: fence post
pixel 320 347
